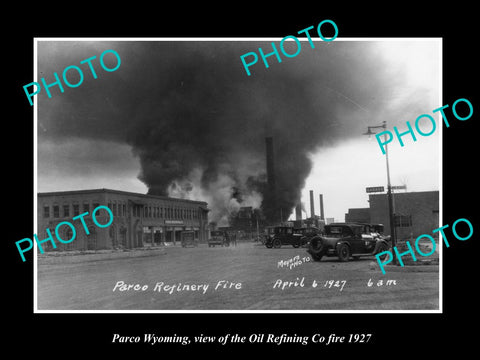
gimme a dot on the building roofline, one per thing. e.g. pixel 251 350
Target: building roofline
pixel 121 192
pixel 408 192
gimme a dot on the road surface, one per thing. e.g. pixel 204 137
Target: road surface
pixel 246 277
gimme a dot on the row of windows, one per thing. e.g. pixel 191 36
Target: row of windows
pixel 165 212
pixel 66 210
pixel 120 209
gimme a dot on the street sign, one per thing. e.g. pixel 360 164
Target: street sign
pixel 399 187
pixel 375 189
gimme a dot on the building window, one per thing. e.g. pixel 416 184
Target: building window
pixel 66 210
pixel 46 211
pixel 76 209
pixel 403 220
pixel 124 210
pixel 114 209
pixel 86 207
pixel 56 211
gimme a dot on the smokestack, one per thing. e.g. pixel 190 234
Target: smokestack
pixel 298 212
pixel 270 164
pixel 322 215
pixel 312 207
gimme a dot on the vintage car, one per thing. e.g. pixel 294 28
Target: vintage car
pixel 282 235
pixel 218 237
pixel 347 240
pixel 188 238
pixel 307 233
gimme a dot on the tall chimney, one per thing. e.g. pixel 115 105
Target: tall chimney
pixel 312 207
pixel 271 193
pixel 298 212
pixel 322 215
pixel 270 164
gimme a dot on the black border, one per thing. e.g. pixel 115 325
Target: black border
pixel 62 335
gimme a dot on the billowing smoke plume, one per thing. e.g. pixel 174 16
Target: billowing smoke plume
pixel 204 123
pixel 198 123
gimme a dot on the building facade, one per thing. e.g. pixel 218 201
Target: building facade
pixel 360 215
pixel 416 213
pixel 138 219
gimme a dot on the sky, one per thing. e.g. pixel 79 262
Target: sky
pixel 416 165
pixel 187 113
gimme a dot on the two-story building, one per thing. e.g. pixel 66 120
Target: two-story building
pixel 139 219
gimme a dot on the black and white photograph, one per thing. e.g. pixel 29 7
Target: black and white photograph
pixel 240 179
pixel 239 174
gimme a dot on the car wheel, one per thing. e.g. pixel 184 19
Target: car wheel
pixel 317 257
pixel 277 244
pixel 269 245
pixel 343 252
pixel 315 246
pixel 381 248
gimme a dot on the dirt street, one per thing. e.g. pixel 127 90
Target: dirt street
pixel 246 277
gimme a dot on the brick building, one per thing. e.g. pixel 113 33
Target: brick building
pixel 361 215
pixel 416 213
pixel 139 220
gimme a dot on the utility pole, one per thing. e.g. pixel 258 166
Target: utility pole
pixel 389 189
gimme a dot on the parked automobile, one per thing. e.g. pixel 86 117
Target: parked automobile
pixel 307 233
pixel 347 240
pixel 218 237
pixel 282 235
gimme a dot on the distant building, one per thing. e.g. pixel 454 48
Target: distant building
pixel 329 221
pixel 361 215
pixel 139 219
pixel 416 213
pixel 246 222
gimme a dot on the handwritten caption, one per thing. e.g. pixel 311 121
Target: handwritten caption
pixel 300 282
pixel 226 285
pixel 293 262
pixel 162 287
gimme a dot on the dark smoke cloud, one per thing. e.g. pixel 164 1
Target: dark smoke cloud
pixel 197 121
